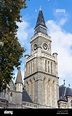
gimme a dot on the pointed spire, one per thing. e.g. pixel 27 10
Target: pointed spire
pixel 19 76
pixel 40 24
pixel 40 19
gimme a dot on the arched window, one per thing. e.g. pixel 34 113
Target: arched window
pixel 27 86
pixel 71 103
pixel 45 65
pixel 51 67
pixel 48 66
pixel 11 97
pixel 11 94
pixel 30 87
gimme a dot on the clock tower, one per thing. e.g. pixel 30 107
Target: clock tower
pixel 41 38
pixel 41 67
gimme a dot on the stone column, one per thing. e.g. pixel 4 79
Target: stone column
pixel 51 93
pixel 33 89
pixel 56 94
pixel 29 87
pixel 39 90
pixel 45 93
pixel 46 87
pixel 48 92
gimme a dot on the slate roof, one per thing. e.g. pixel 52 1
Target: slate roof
pixel 69 92
pixel 64 92
pixel 12 85
pixel 26 97
pixel 40 19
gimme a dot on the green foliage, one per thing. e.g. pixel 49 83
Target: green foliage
pixel 11 50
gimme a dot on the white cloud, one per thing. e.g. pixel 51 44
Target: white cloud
pixel 61 43
pixel 62 21
pixel 22 33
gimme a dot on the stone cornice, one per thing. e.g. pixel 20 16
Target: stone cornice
pixel 40 35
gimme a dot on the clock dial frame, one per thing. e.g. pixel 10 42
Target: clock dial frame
pixel 45 46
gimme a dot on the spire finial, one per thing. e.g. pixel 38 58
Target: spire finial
pixel 64 82
pixel 40 8
pixel 68 85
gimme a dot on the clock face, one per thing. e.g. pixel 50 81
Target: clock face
pixel 45 46
pixel 35 46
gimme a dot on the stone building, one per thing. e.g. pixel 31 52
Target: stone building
pixel 41 82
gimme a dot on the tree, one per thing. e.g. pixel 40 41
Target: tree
pixel 10 49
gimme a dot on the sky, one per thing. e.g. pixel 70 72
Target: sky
pixel 58 19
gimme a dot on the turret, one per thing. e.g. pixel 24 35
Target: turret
pixel 19 81
pixel 19 87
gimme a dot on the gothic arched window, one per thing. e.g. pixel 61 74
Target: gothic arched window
pixel 45 65
pixel 48 66
pixel 11 94
pixel 51 67
pixel 11 97
pixel 71 103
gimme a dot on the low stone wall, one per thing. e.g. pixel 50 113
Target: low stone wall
pixel 33 105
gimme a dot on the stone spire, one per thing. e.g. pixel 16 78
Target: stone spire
pixel 40 24
pixel 19 76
